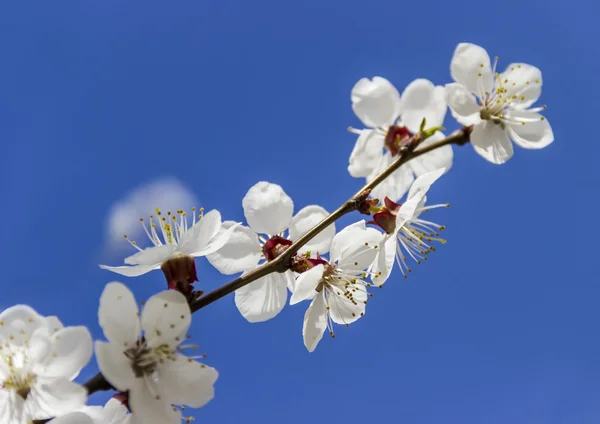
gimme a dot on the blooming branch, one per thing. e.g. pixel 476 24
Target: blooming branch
pixel 283 262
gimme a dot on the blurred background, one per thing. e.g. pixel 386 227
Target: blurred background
pixel 110 108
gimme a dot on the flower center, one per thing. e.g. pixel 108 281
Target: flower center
pixel 19 378
pixel 275 246
pixel 167 229
pixel 145 360
pixel 395 137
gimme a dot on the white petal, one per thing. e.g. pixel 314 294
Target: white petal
pixel 218 242
pixel 267 208
pixel 535 134
pixel 166 318
pixel 51 397
pixel 344 240
pixel 423 183
pixel 290 280
pixel 131 271
pixel 441 157
pixel 421 99
pixel 96 413
pixel 114 365
pixel 366 154
pixel 151 255
pixel 354 248
pixel 38 349
pixel 197 238
pixel 20 322
pixel 241 252
pixel 375 102
pixel 394 186
pixel 73 418
pixel 315 323
pixel 491 142
pixel 187 382
pixel 53 324
pixel 150 406
pixel 342 310
pixel 12 408
pixel 304 221
pixel 463 104
pixel 416 197
pixel 118 315
pixel 306 284
pixel 471 67
pixel 71 351
pixel 523 81
pixel 115 412
pixel 384 264
pixel 262 299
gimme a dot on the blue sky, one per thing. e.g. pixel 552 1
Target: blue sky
pixel 100 97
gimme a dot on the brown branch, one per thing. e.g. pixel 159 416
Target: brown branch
pixel 282 262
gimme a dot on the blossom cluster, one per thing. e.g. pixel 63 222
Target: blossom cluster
pixel 145 355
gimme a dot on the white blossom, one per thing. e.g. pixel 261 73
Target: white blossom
pixel 175 243
pixel 406 233
pixel 39 358
pixel 498 105
pixel 390 119
pixel 144 354
pixel 338 287
pixel 114 412
pixel 268 211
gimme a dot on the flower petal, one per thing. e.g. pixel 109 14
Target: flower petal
pixel 523 84
pixel 304 221
pixel 114 365
pixel 344 311
pixel 71 351
pixel 241 252
pixel 290 280
pixel 187 382
pixel 219 241
pixel 115 412
pixel 463 104
pixel 366 154
pixel 491 142
pixel 262 299
pixel 315 322
pixel 394 186
pixel 166 318
pixel 471 67
pixel 150 406
pixel 535 134
pixel 421 99
pixel 51 397
pixel 198 237
pixel 53 324
pixel 151 256
pixel 375 102
pixel 118 315
pixel 423 183
pixel 442 157
pixel 268 210
pixel 382 267
pixel 73 418
pixel 131 271
pixel 18 323
pixel 306 284
pixel 356 247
